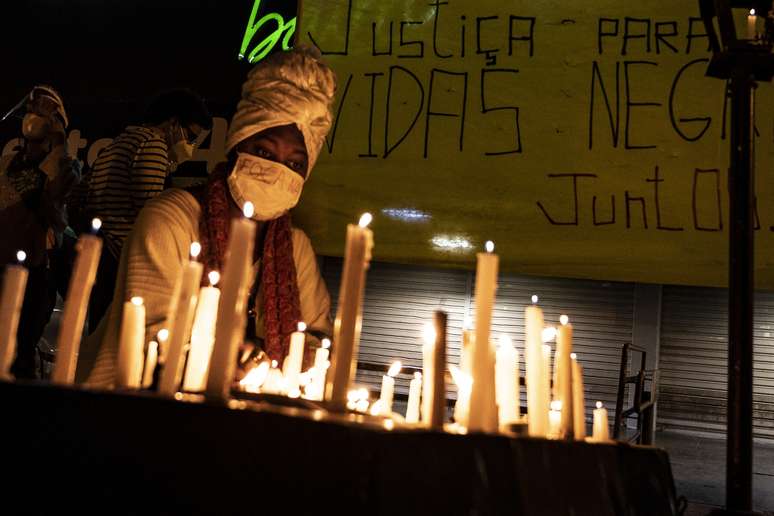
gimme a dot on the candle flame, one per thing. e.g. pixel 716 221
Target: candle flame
pixel 163 335
pixel 417 375
pixel 353 396
pixel 196 248
pixel 534 299
pixel 563 319
pixel 389 424
pixel 295 392
pixel 549 334
pixel 21 256
pixel 505 341
pixel 362 393
pixel 96 224
pixel 326 343
pixel 214 277
pixel 752 12
pixel 248 209
pixel 573 356
pixel 365 220
pixel 274 364
pixel 556 405
pixel 395 368
pixel 489 246
pixel 599 404
pixel 136 301
pixel 428 333
pixel 302 327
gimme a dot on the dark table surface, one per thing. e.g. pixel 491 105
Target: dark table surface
pixel 72 450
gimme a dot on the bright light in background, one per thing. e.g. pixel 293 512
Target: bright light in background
pixel 406 214
pixel 451 243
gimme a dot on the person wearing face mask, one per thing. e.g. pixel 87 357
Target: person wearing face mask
pixel 35 180
pixel 273 142
pixel 133 169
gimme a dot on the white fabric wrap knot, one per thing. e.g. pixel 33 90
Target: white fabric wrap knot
pixel 292 87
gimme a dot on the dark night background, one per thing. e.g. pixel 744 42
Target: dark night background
pixel 108 58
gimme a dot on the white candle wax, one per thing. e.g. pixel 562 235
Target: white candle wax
pixel 462 405
pixel 388 388
pixel 415 392
pixel 555 420
pixel 578 401
pixel 131 345
pixel 89 248
pixel 601 429
pixel 14 284
pixel 507 381
pixel 563 367
pixel 202 337
pixel 751 22
pixel 346 330
pixel 151 360
pixel 482 414
pixel 537 398
pixel 293 362
pixel 275 382
pixel 181 325
pixel 232 315
pixel 321 354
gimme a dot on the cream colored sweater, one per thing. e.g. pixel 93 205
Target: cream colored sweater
pixel 153 257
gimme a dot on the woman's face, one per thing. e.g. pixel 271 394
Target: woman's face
pixel 283 144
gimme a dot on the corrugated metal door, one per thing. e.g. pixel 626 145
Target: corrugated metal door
pixel 694 361
pixel 400 299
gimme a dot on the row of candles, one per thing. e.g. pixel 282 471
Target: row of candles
pixel 200 344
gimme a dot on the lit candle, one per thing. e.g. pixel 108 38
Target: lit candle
pixel 482 414
pixel 346 330
pixel 563 367
pixel 434 368
pixel 275 382
pixel 14 284
pixel 202 336
pixel 507 381
pixel 151 359
pixel 255 378
pixel 555 420
pixel 232 316
pixel 291 368
pixel 415 392
pixel 751 24
pixel 316 389
pixel 578 401
pixel 89 249
pixel 322 353
pixel 180 332
pixel 545 378
pixel 388 388
pixel 600 429
pixel 362 402
pixel 131 344
pixel 537 398
pixel 463 380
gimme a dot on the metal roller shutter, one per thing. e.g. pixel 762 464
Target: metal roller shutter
pixel 694 361
pixel 399 299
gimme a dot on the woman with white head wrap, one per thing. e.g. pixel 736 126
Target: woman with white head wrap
pixel 273 142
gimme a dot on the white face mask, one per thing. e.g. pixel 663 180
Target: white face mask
pixel 181 152
pixel 272 187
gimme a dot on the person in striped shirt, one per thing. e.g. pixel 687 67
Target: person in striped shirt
pixel 132 170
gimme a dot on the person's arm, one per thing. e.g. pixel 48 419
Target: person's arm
pixel 149 170
pixel 62 173
pixel 313 293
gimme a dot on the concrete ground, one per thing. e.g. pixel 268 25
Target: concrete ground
pixel 699 470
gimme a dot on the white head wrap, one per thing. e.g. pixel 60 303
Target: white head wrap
pixel 292 87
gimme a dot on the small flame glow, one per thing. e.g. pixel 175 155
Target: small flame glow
pixel 21 256
pixel 505 341
pixel 96 224
pixel 489 246
pixel 563 319
pixel 274 364
pixel 395 368
pixel 389 424
pixel 353 396
pixel 196 249
pixel 214 277
pixel 163 335
pixel 428 333
pixel 255 378
pixel 365 220
pixel 248 209
pixel 752 12
pixel 549 333
pixel 302 327
pixel 326 343
pixel 556 405
pixel 573 356
pixel 534 299
pixel 599 405
pixel 136 301
pixel 377 408
pixel 295 392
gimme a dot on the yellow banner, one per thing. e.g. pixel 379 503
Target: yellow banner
pixel 581 137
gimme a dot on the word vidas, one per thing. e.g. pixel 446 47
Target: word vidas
pixel 266 45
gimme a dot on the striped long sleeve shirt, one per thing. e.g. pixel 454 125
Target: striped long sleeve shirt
pixel 127 173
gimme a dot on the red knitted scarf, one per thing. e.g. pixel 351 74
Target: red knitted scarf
pixel 277 280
